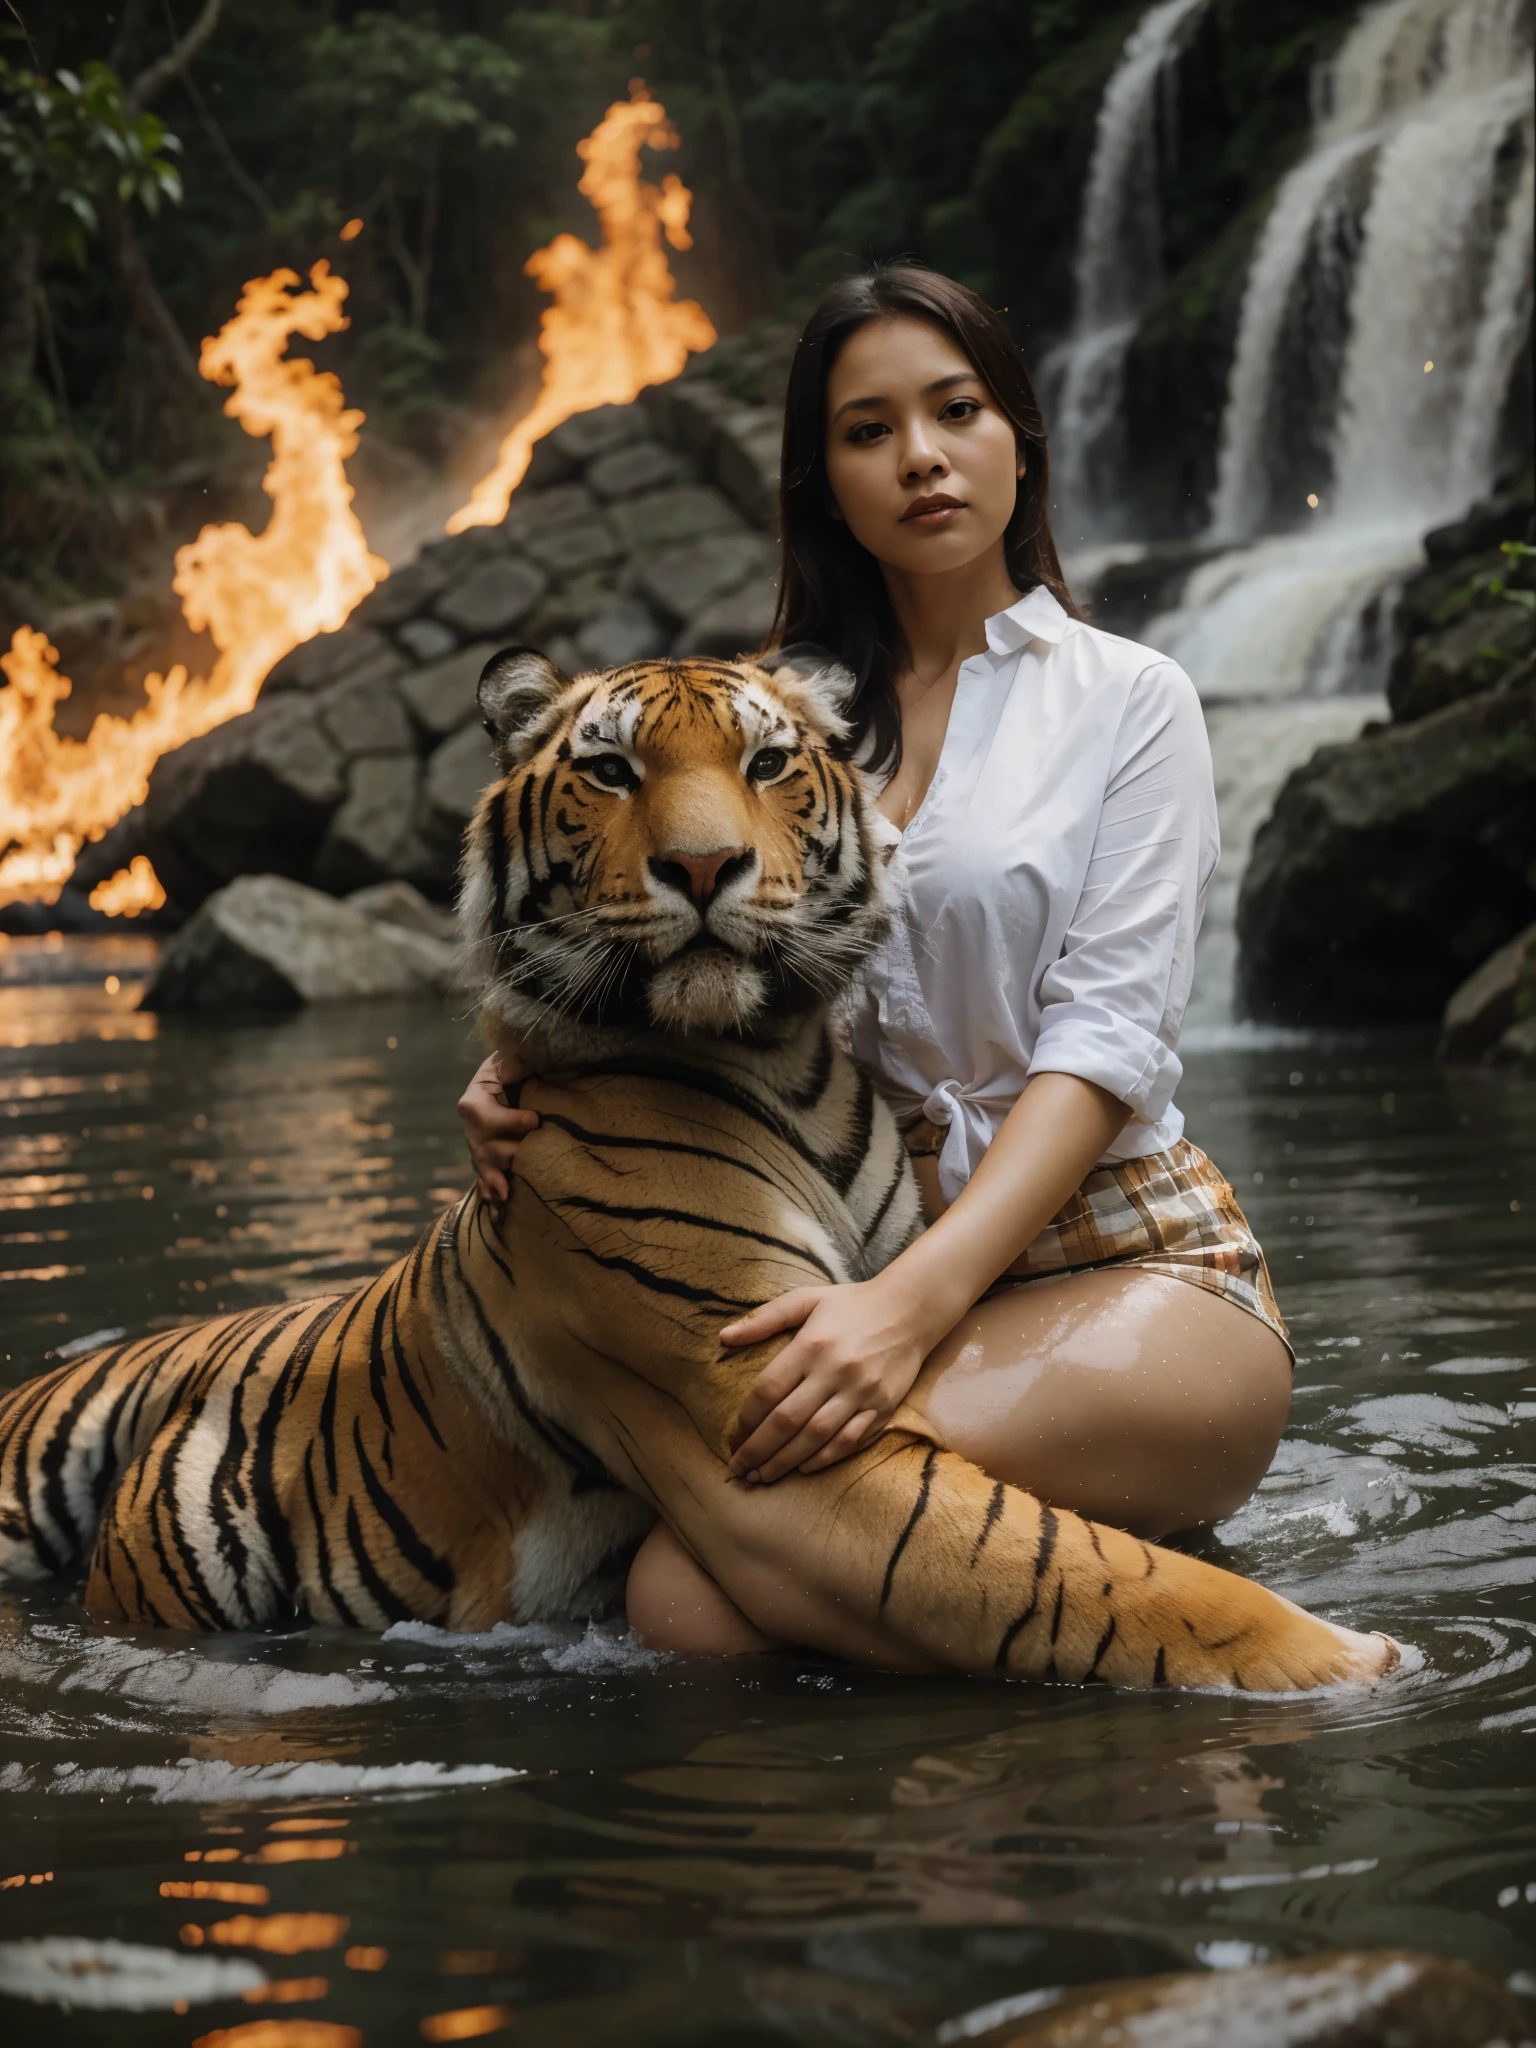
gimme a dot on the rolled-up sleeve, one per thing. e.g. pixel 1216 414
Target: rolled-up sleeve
pixel 1112 1003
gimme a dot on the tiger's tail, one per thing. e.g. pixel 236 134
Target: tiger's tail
pixel 66 1438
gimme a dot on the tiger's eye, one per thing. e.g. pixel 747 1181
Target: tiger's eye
pixel 611 770
pixel 766 764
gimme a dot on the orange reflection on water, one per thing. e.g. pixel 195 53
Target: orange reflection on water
pixel 286 1990
pixel 9 1884
pixel 282 2034
pixel 466 2023
pixel 278 1934
pixel 366 1958
pixel 304 1827
pixel 210 1856
pixel 222 1889
pixel 477 1962
pixel 298 1852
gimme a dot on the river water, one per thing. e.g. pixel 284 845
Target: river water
pixel 551 1832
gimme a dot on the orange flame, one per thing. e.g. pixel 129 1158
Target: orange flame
pixel 614 326
pixel 131 891
pixel 257 595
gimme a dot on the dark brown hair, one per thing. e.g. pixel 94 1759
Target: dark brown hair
pixel 831 592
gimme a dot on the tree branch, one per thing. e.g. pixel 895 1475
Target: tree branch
pixel 153 80
pixel 146 308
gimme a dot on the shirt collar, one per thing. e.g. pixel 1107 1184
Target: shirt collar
pixel 1036 616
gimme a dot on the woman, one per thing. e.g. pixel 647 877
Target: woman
pixel 1089 1313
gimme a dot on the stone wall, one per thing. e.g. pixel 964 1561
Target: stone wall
pixel 639 530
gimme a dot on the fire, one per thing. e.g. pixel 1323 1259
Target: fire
pixel 257 595
pixel 614 326
pixel 131 891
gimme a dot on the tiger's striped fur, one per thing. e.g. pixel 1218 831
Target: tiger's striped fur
pixel 486 1430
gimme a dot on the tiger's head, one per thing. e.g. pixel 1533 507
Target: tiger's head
pixel 674 846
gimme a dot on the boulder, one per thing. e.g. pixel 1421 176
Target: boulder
pixel 1489 1018
pixel 639 466
pixel 593 432
pixel 684 581
pixel 442 698
pixel 364 716
pixel 490 598
pixel 669 519
pixel 530 510
pixel 457 772
pixel 426 639
pixel 621 630
pixel 1394 864
pixel 1374 1998
pixel 398 903
pixel 733 625
pixel 253 796
pixel 268 943
pixel 403 593
pixel 357 653
pixel 373 836
pixel 573 545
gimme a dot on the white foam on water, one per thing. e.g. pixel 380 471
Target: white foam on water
pixel 65 1661
pixel 209 1781
pixel 118 1976
pixel 602 1646
pixel 985 2017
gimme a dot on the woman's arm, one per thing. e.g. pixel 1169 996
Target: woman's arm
pixel 860 1347
pixel 493 1129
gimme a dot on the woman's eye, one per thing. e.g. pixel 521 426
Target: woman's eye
pixel 960 409
pixel 611 770
pixel 868 430
pixel 767 763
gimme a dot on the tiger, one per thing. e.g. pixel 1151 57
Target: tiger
pixel 665 892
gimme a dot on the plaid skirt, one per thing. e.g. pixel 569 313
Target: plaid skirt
pixel 1171 1213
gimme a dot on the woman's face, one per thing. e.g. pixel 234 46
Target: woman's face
pixel 921 463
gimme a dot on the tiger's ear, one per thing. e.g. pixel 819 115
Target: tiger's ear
pixel 818 679
pixel 516 687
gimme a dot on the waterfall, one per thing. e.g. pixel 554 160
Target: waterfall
pixel 1405 235
pixel 1438 92
pixel 1117 270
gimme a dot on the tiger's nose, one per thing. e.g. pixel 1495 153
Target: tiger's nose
pixel 699 875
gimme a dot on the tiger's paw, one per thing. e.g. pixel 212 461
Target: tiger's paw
pixel 1363 1659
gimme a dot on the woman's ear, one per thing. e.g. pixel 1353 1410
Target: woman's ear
pixel 516 687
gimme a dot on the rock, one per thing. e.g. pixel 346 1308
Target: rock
pixel 667 519
pixel 404 592
pixel 1126 594
pixel 623 630
pixel 1393 864
pixel 491 598
pixel 442 698
pixel 641 466
pixel 1457 634
pixel 426 639
pixel 373 835
pixel 456 774
pixel 738 624
pixel 358 653
pixel 1490 1003
pixel 685 580
pixel 253 796
pixel 1507 515
pixel 593 432
pixel 531 510
pixel 736 444
pixel 587 542
pixel 547 465
pixel 1378 1998
pixel 268 943
pixel 364 716
pixel 398 903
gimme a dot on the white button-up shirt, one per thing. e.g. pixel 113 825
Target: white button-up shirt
pixel 1052 883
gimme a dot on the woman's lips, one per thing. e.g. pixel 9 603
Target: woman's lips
pixel 931 513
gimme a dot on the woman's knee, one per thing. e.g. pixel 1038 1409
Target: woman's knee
pixel 674 1604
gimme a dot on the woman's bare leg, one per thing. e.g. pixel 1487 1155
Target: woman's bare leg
pixel 674 1604
pixel 1140 1401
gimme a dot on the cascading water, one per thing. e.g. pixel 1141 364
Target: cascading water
pixel 1117 271
pixel 1409 223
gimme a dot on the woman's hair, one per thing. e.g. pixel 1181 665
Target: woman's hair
pixel 832 592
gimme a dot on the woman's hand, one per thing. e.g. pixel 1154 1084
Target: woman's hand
pixel 493 1128
pixel 835 1386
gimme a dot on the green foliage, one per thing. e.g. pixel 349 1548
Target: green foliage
pixel 399 85
pixel 68 142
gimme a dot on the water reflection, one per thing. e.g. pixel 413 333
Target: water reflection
pixel 549 1829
